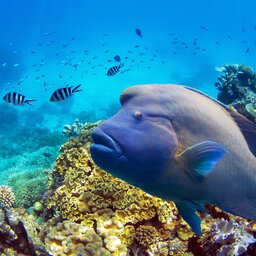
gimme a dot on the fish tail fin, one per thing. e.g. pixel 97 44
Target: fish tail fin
pixel 75 89
pixel 29 102
pixel 121 65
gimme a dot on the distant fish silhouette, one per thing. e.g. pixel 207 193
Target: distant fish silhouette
pixel 138 32
pixel 247 50
pixel 64 93
pixel 114 70
pixel 217 43
pixel 204 28
pixel 117 58
pixel 16 99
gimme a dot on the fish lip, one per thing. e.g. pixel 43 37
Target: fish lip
pixel 102 139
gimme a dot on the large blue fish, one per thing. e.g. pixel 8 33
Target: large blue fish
pixel 179 144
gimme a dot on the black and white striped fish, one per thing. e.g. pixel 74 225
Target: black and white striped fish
pixel 114 70
pixel 64 93
pixel 15 98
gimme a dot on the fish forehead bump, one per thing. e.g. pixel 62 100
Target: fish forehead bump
pixel 150 91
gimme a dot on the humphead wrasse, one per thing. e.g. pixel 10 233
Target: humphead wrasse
pixel 178 144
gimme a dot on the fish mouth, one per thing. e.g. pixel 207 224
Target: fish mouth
pixel 102 142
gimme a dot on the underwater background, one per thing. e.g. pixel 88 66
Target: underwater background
pixel 50 44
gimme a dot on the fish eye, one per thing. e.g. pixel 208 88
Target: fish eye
pixel 137 115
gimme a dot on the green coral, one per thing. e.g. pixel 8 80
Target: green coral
pixel 28 187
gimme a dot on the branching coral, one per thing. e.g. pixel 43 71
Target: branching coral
pixel 237 88
pixel 28 187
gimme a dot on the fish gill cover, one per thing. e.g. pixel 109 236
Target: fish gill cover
pixel 47 46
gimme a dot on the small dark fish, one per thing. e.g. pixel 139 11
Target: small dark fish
pixel 217 43
pixel 75 66
pixel 33 52
pixel 16 99
pixel 114 70
pixel 129 51
pixel 136 46
pixel 117 58
pixel 64 45
pixel 229 37
pixel 109 60
pixel 64 93
pixel 175 53
pixel 204 28
pixel 243 29
pixel 247 50
pixel 244 42
pixel 138 32
pixel 72 38
pixel 46 154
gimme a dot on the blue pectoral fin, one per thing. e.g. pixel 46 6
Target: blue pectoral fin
pixel 202 157
pixel 187 211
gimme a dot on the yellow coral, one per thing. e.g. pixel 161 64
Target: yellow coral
pixel 146 235
pixel 69 238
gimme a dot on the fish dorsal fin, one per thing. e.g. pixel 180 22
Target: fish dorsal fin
pixel 247 127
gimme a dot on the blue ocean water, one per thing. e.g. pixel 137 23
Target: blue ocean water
pixel 46 45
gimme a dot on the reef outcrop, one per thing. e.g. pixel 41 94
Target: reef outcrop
pixel 237 88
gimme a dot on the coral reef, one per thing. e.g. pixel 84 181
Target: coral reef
pixel 28 187
pixel 20 234
pixel 7 197
pixel 127 220
pixel 85 211
pixel 237 88
pixel 69 238
pixel 228 237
